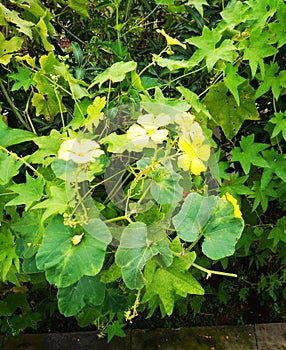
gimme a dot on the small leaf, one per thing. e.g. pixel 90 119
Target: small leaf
pixel 8 47
pixel 9 167
pixel 80 6
pixel 27 193
pixel 232 80
pixel 194 100
pixel 8 256
pixel 42 30
pixel 77 52
pixel 198 4
pixel 278 233
pixel 115 329
pixel 116 73
pixel 249 153
pixel 171 282
pixel 24 78
pixel 57 202
pixel 208 49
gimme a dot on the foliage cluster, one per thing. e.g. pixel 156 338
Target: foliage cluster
pixel 142 151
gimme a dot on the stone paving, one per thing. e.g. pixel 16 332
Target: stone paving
pixel 249 337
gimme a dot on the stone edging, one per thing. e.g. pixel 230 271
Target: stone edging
pixel 249 337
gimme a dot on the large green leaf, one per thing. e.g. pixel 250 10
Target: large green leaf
pixel 211 218
pixel 224 110
pixel 87 291
pixel 135 250
pixel 66 263
pixel 9 136
pixel 171 282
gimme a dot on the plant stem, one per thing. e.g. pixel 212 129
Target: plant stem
pixel 11 103
pixel 213 272
pixel 22 160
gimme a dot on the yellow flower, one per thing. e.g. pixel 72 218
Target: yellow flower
pixel 185 121
pixel 171 41
pixel 79 150
pixel 196 152
pixel 148 130
pixel 228 197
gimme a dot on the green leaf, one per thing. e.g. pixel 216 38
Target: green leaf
pixel 48 148
pixel 224 110
pixel 278 233
pixel 271 80
pixel 94 112
pixel 57 202
pixel 159 104
pixel 24 78
pixel 42 30
pixel 9 136
pixel 12 16
pixel 233 14
pixel 80 6
pixel 208 49
pixel 256 49
pixel 234 185
pixel 277 165
pixel 27 193
pixel 279 120
pixel 65 263
pixel 87 291
pixel 9 167
pixel 8 47
pixel 116 73
pixel 115 329
pixel 45 105
pixel 232 80
pixel 249 153
pixel 211 218
pixel 173 64
pixel 165 187
pixel 198 4
pixel 171 282
pixel 73 172
pixel 30 231
pixel 134 251
pixel 261 11
pixel 194 100
pixel 8 256
pixel 262 195
pixel 77 52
